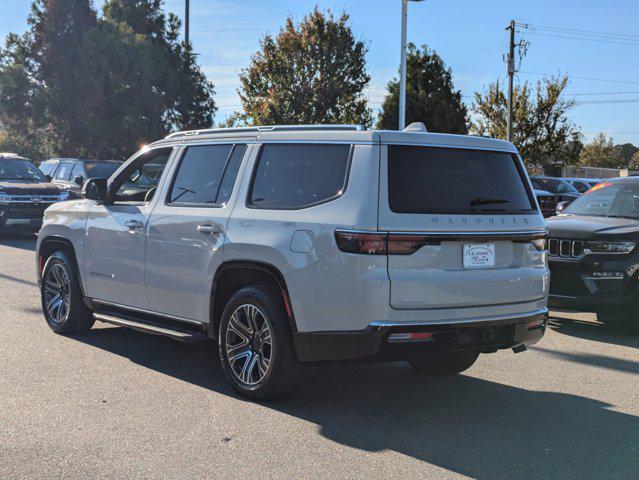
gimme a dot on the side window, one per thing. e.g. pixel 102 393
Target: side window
pixel 139 181
pixel 199 174
pixel 537 184
pixel 230 174
pixel 64 171
pixel 290 176
pixel 47 168
pixel 78 171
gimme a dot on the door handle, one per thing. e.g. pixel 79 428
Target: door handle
pixel 208 228
pixel 133 224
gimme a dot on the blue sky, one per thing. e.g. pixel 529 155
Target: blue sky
pixel 468 34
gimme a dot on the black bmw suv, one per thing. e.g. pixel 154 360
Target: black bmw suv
pixel 592 252
pixel 25 192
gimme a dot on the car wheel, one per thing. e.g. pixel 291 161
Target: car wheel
pixel 443 363
pixel 614 318
pixel 62 303
pixel 256 348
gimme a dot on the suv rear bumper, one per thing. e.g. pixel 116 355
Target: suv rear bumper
pixel 373 343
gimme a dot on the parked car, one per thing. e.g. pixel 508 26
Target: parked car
pixel 583 184
pixel 24 193
pixel 561 189
pixel 71 173
pixel 296 245
pixel 592 252
pixel 546 201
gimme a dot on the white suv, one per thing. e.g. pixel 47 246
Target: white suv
pixel 295 245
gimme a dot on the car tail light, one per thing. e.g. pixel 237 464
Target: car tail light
pixel 539 243
pixel 406 244
pixel 535 324
pixel 374 243
pixel 411 337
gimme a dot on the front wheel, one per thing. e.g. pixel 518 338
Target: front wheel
pixel 443 363
pixel 256 348
pixel 62 303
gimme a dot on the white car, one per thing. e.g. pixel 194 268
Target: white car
pixel 295 245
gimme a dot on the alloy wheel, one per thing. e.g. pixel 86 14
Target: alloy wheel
pixel 57 293
pixel 248 345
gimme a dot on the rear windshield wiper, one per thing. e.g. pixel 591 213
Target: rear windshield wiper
pixel 487 201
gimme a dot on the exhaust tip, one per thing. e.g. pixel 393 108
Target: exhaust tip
pixel 519 348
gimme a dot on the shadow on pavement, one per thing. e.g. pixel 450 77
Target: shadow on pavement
pixel 474 427
pixel 18 239
pixel 624 334
pixel 602 361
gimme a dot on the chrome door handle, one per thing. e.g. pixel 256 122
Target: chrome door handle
pixel 208 228
pixel 133 224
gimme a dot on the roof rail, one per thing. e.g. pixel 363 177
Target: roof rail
pixel 266 128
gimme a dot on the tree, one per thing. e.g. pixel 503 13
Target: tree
pixel 626 151
pixel 542 130
pixel 313 72
pixel 430 95
pixel 601 152
pixel 633 164
pixel 99 86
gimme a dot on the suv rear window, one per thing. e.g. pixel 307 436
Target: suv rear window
pixel 455 181
pixel 291 176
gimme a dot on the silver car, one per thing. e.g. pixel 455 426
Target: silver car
pixel 297 245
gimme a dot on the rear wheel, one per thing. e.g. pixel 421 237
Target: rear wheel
pixel 62 303
pixel 256 348
pixel 443 363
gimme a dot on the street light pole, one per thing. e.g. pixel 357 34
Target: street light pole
pixel 186 22
pixel 402 69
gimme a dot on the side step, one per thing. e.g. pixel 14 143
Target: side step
pixel 153 327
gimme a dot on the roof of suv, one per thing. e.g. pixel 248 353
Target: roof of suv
pixel 335 133
pixel 63 159
pixel 12 156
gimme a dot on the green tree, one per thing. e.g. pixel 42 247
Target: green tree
pixel 626 150
pixel 601 152
pixel 99 86
pixel 312 72
pixel 633 164
pixel 430 95
pixel 542 131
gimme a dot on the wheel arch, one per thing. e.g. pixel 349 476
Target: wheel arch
pixel 54 243
pixel 235 274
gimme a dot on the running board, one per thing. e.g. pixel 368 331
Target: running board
pixel 153 327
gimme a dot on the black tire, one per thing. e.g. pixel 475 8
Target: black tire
pixel 615 318
pixel 72 315
pixel 270 370
pixel 443 363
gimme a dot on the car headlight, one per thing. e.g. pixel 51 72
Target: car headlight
pixel 609 247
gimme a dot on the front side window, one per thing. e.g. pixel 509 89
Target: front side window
pixel 608 199
pixel 140 179
pixel 64 172
pixel 100 169
pixel 560 186
pixel 20 170
pixel 200 174
pixel 47 168
pixel 455 181
pixel 290 176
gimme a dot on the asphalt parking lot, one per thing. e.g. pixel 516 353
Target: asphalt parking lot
pixel 119 404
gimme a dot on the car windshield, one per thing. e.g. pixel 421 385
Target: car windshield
pixel 560 186
pixel 608 199
pixel 101 169
pixel 20 170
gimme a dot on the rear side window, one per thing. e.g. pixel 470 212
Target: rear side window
pixel 292 176
pixel 455 181
pixel 206 174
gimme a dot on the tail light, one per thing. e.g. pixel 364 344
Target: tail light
pixel 377 243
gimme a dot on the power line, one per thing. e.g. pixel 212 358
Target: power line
pixel 602 93
pixel 600 40
pixel 594 79
pixel 576 31
pixel 589 102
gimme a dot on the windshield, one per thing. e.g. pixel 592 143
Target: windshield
pixel 20 170
pixel 101 169
pixel 608 199
pixel 560 186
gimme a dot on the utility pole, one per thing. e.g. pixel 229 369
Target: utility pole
pixel 511 71
pixel 186 22
pixel 402 68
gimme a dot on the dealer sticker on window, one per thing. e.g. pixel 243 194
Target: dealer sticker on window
pixel 477 255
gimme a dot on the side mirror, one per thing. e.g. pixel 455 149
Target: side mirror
pixel 79 180
pixel 561 206
pixel 95 189
pixel 48 177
